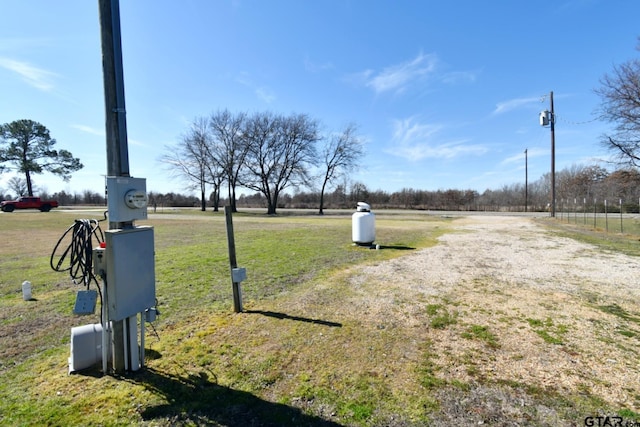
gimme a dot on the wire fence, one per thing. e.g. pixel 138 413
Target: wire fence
pixel 609 215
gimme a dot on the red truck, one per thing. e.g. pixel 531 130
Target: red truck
pixel 28 203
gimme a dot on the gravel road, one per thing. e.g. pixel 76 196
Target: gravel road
pixel 564 315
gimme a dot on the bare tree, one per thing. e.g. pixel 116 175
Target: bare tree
pixel 28 146
pixel 229 148
pixel 217 178
pixel 624 183
pixel 620 93
pixel 280 151
pixel 358 192
pixel 340 155
pixel 580 181
pixel 18 186
pixel 192 159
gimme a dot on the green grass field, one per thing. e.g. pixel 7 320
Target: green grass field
pixel 288 359
pixel 612 232
pixel 188 379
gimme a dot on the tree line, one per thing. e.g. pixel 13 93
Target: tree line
pixel 576 187
pixel 578 184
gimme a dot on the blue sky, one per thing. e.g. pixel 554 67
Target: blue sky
pixel 446 94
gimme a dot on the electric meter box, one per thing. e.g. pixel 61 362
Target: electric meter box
pixel 126 198
pixel 131 282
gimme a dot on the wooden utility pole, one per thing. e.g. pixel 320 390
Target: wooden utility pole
pixel 526 180
pixel 552 122
pixel 116 130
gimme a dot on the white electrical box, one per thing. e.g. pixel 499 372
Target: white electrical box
pixel 86 346
pixel 130 281
pixel 99 262
pixel 126 198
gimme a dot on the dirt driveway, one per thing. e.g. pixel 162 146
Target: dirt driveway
pixel 503 301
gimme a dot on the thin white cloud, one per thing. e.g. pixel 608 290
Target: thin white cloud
pixel 244 79
pixel 34 76
pixel 100 132
pixel 314 67
pixel 20 44
pixel 137 142
pixel 407 131
pixel 456 77
pixel 89 129
pixel 513 104
pixel 519 157
pixel 397 78
pixel 263 93
pixel 516 158
pixel 416 141
pixel 266 94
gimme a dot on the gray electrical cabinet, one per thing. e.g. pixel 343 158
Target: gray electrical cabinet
pixel 130 279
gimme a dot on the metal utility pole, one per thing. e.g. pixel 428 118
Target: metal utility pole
pixel 116 128
pixel 526 180
pixel 552 121
pixel 236 274
pixel 116 123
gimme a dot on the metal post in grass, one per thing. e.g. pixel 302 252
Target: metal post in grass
pixel 594 213
pixel 621 216
pixel 233 264
pixel 606 216
pixel 560 209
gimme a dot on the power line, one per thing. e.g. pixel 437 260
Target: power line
pixel 544 97
pixel 563 120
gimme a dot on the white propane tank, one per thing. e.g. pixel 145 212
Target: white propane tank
pixel 26 290
pixel 363 224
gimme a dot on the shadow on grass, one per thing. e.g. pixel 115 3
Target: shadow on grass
pixel 387 247
pixel 197 399
pixel 296 318
pixel 398 247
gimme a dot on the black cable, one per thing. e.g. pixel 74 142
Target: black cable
pixel 155 332
pixel 79 251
